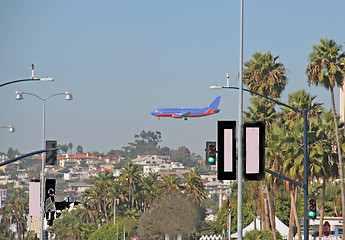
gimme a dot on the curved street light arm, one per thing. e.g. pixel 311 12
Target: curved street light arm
pixel 34 95
pixel 28 79
pixel 62 93
pixel 21 80
pixel 273 100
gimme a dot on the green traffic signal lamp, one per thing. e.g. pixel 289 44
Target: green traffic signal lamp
pixel 211 153
pixel 311 207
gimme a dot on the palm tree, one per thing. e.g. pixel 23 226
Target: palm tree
pixel 326 126
pixel 5 212
pixel 194 187
pixel 292 149
pixel 264 75
pixel 19 208
pixel 70 146
pixel 327 68
pixel 303 100
pixel 93 204
pixel 170 183
pixel 130 176
pixel 150 189
pixel 103 183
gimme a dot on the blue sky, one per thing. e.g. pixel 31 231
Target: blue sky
pixel 123 59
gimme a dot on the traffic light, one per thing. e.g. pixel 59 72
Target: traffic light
pixel 311 207
pixel 211 153
pixel 51 157
pixel 50 208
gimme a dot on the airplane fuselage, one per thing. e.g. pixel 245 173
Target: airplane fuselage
pixel 188 112
pixel 177 112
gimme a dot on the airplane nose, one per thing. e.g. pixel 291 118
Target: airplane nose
pixel 153 113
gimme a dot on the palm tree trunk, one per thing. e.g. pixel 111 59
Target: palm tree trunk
pixel 290 224
pixel 339 158
pixel 271 212
pixel 105 210
pixel 265 213
pixel 322 207
pixel 293 195
pixel 291 219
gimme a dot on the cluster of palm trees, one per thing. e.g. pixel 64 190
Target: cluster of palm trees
pixel 284 129
pixel 15 212
pixel 134 193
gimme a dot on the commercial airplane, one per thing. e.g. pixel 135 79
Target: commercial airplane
pixel 188 112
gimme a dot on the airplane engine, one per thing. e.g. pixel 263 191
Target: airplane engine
pixel 176 116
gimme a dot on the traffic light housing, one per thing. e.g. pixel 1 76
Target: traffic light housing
pixel 211 153
pixel 51 157
pixel 312 207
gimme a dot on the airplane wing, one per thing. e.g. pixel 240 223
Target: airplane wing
pixel 186 114
pixel 182 115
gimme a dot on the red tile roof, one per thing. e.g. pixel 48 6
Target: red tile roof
pixel 101 170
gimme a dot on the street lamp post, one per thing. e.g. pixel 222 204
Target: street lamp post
pixel 19 96
pixel 10 128
pixel 305 154
pixel 32 78
pixel 240 132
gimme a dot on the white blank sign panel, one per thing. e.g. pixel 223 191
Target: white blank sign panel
pixel 228 160
pixel 252 150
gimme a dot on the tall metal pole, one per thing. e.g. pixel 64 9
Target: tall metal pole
pixel 240 132
pixel 114 210
pixel 43 167
pixel 305 174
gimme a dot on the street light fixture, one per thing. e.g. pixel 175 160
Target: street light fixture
pixel 19 96
pixel 10 128
pixel 32 78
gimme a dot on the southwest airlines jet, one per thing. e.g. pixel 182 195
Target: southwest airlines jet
pixel 188 112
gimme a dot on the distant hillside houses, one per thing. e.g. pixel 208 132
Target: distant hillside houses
pixel 66 160
pixel 152 160
pixel 158 164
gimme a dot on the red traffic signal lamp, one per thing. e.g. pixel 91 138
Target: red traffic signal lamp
pixel 211 153
pixel 311 207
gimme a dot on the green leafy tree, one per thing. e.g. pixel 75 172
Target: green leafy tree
pixel 173 214
pixel 164 151
pixel 145 143
pixel 257 234
pixel 111 232
pixel 12 153
pixel 69 226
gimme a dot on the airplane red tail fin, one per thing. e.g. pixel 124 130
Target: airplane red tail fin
pixel 215 103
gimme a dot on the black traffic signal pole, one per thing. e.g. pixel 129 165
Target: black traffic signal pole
pixel 26 155
pixel 305 158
